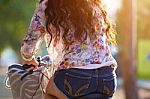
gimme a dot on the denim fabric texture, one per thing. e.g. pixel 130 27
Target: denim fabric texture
pixel 81 83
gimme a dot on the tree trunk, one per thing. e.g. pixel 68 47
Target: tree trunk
pixel 128 48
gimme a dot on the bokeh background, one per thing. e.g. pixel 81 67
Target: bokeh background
pixel 132 52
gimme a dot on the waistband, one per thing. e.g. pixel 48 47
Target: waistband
pixel 99 72
pixel 112 63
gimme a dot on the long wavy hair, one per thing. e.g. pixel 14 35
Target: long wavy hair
pixel 76 14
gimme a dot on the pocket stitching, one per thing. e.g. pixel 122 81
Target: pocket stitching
pixel 83 87
pixel 77 76
pixel 106 88
pixel 66 83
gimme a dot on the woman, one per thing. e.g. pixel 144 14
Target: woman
pixel 78 36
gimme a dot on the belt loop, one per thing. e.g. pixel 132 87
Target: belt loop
pixel 96 72
pixel 97 76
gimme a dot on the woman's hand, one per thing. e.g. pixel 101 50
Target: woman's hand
pixel 33 62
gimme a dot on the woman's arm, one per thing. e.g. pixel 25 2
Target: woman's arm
pixel 35 34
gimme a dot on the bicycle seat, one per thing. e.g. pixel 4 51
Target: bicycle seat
pixel 93 96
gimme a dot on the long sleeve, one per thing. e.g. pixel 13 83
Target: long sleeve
pixel 36 32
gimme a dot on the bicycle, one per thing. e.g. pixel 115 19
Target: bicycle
pixel 26 82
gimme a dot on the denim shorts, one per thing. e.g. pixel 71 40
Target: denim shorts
pixel 76 82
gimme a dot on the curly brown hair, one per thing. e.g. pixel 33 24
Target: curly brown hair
pixel 77 14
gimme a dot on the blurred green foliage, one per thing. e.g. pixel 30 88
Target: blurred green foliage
pixel 144 59
pixel 143 34
pixel 143 30
pixel 15 17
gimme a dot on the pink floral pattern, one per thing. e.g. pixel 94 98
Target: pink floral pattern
pixel 96 51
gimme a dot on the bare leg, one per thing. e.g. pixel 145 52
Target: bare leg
pixel 52 91
pixel 47 96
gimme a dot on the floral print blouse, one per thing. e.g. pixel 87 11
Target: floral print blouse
pixel 96 51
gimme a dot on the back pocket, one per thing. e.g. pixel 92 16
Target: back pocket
pixel 75 84
pixel 109 85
